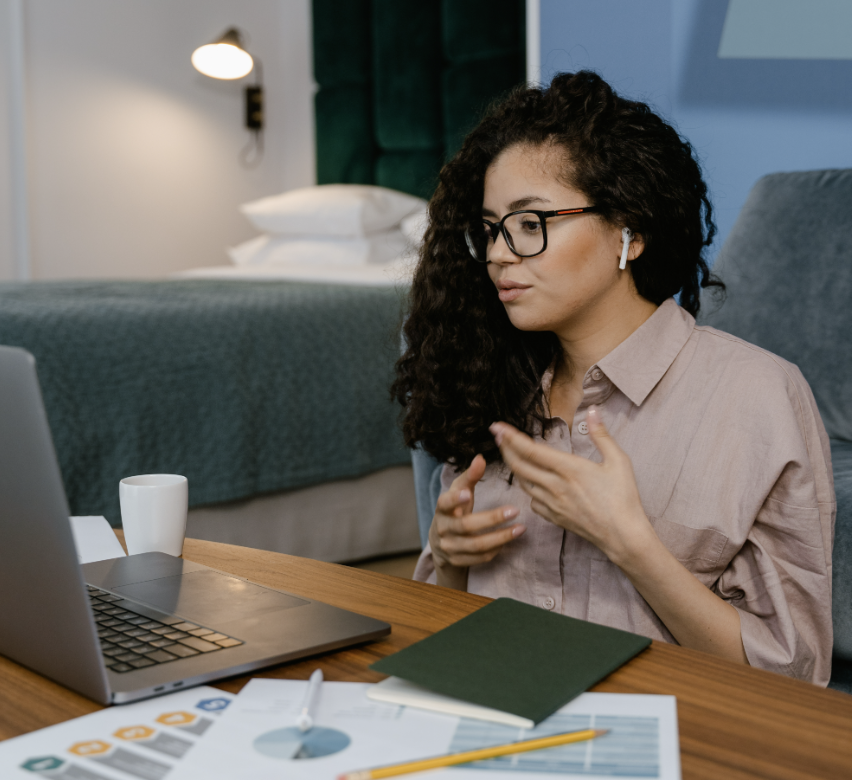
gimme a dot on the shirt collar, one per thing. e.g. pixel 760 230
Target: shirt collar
pixel 637 364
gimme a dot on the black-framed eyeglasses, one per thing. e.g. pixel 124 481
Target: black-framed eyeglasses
pixel 525 232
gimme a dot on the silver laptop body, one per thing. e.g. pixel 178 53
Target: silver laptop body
pixel 60 618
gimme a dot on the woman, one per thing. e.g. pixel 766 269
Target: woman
pixel 607 458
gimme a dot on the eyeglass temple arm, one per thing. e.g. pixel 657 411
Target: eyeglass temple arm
pixel 561 212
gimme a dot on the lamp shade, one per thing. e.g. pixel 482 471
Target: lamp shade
pixel 224 58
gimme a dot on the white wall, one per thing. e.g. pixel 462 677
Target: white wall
pixel 133 155
pixel 8 54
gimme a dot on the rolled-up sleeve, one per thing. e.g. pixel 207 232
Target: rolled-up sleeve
pixel 780 579
pixel 425 569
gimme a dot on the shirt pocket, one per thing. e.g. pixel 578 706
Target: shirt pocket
pixel 656 480
pixel 698 549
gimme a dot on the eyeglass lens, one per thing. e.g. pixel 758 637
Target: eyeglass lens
pixel 523 232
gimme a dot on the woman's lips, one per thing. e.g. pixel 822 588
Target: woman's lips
pixel 511 293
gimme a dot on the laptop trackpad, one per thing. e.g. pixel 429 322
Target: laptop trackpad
pixel 209 598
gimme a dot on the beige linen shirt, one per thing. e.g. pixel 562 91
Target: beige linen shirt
pixel 734 472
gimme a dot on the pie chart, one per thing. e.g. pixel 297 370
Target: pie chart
pixel 293 745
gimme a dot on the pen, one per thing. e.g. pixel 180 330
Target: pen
pixel 305 721
pixel 473 755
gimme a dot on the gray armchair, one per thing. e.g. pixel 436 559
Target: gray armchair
pixel 788 268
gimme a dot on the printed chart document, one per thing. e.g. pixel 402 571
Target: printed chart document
pixel 257 737
pixel 142 741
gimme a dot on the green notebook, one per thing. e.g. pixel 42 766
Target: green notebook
pixel 514 657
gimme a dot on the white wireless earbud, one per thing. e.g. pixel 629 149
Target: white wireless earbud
pixel 626 237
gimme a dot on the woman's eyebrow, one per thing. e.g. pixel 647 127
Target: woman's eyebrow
pixel 517 205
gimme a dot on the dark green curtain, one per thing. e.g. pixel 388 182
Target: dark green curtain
pixel 401 83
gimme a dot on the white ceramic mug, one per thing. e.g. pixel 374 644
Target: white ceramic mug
pixel 153 512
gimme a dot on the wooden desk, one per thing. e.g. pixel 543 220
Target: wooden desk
pixel 735 722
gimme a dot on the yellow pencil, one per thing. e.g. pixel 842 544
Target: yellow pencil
pixel 473 755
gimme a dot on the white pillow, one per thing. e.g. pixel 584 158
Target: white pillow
pixel 379 248
pixel 344 210
pixel 414 227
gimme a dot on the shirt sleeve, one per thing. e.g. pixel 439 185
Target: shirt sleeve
pixel 779 580
pixel 425 569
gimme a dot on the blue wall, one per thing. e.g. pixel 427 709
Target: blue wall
pixel 745 117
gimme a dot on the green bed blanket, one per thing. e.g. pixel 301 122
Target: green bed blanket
pixel 244 387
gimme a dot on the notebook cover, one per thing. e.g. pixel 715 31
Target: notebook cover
pixel 515 657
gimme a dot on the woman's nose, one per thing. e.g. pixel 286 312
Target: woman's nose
pixel 500 253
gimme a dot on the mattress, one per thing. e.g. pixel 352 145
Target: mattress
pixel 340 521
pixel 396 274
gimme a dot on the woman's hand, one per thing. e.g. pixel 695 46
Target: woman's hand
pixel 597 501
pixel 600 502
pixel 460 538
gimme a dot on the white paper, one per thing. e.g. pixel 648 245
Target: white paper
pixel 643 741
pixel 145 740
pixel 395 690
pixel 95 540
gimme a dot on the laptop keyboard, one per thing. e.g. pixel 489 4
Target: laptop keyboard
pixel 130 640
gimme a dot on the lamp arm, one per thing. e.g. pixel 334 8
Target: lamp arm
pixel 258 71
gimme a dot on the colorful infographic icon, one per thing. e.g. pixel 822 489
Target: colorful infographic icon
pixel 213 705
pixel 134 732
pixel 93 747
pixel 176 718
pixel 43 764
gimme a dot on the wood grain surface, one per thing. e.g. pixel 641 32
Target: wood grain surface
pixel 735 722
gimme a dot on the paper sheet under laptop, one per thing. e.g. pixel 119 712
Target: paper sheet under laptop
pixel 95 539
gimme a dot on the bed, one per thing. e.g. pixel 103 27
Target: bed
pixel 266 384
pixel 270 396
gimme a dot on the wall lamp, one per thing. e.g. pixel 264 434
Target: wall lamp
pixel 227 58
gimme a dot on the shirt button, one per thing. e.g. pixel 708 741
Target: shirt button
pixel 597 374
pixel 583 428
pixel 548 603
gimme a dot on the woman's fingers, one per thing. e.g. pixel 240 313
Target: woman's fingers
pixel 470 549
pixel 479 522
pixel 475 538
pixel 598 501
pixel 453 498
pixel 476 470
pixel 464 538
pixel 471 475
pixel 600 436
pixel 460 495
pixel 533 463
pixel 517 444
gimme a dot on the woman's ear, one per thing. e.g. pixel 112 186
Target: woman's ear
pixel 632 245
pixel 637 246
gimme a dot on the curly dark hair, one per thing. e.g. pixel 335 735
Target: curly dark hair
pixel 465 364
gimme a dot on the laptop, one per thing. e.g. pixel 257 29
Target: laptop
pixel 134 627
